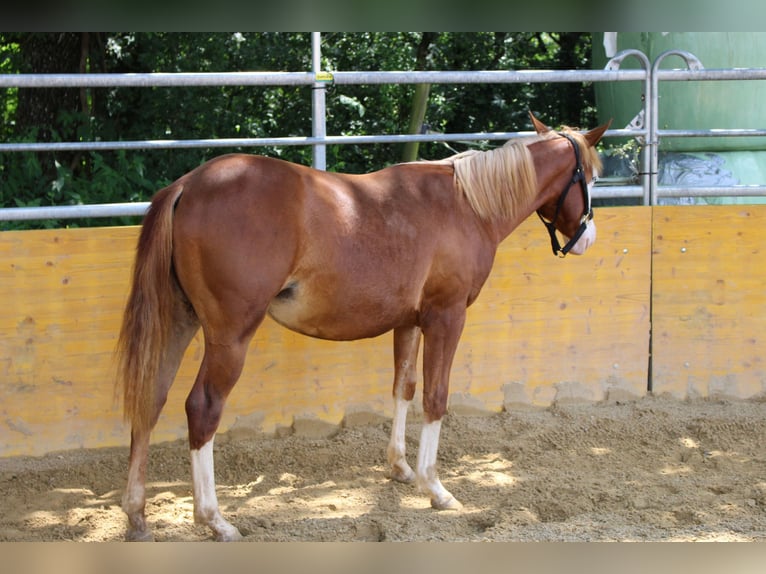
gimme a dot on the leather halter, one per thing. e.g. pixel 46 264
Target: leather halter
pixel 577 177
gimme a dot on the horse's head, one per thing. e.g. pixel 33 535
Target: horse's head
pixel 567 165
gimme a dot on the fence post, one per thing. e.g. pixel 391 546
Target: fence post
pixel 692 63
pixel 318 119
pixel 644 117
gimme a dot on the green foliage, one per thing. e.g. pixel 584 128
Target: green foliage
pixel 152 113
pixel 8 98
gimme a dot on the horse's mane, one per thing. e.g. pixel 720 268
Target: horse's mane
pixel 499 183
pixel 591 160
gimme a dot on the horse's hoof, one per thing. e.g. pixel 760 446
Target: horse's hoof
pixel 139 536
pixel 406 476
pixel 446 503
pixel 232 535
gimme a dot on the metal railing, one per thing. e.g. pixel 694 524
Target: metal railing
pixel 644 129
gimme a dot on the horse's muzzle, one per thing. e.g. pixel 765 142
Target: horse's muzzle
pixel 587 239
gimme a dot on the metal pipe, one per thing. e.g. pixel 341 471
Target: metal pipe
pixel 617 191
pixel 166 79
pixel 74 211
pixel 156 79
pixel 703 74
pixel 486 77
pixel 710 191
pixel 713 133
pixel 318 113
pixel 186 79
pixel 282 141
pixel 139 208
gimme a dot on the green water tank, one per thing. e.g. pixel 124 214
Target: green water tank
pixel 694 105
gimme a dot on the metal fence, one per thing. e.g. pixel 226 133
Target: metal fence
pixel 645 130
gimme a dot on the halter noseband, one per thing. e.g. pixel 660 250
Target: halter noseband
pixel 578 176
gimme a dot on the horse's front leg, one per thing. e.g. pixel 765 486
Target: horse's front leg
pixel 441 335
pixel 406 343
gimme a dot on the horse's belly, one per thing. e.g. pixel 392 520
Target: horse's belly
pixel 336 317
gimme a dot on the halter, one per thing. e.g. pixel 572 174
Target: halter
pixel 578 176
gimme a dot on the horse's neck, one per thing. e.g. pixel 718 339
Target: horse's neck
pixel 502 228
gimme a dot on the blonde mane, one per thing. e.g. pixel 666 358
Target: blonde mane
pixel 499 183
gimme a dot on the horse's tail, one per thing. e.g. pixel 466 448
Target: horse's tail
pixel 146 323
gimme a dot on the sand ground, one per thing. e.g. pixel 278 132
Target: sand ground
pixel 655 469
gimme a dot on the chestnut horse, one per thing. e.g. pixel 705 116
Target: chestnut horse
pixel 333 256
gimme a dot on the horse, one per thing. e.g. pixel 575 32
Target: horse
pixel 335 256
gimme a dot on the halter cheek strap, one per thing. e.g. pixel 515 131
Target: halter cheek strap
pixel 577 177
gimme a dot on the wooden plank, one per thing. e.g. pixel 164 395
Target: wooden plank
pixel 543 329
pixel 548 329
pixel 62 291
pixel 709 301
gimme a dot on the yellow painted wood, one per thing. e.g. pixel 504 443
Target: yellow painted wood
pixel 62 292
pixel 709 301
pixel 543 329
pixel 548 329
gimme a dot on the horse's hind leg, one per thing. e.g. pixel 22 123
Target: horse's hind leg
pixel 220 370
pixel 185 325
pixel 134 498
pixel 406 343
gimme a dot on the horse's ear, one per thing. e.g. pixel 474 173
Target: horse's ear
pixel 540 127
pixel 595 135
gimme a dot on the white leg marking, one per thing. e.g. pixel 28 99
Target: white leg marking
pixel 205 500
pixel 400 470
pixel 133 502
pixel 427 477
pixel 134 499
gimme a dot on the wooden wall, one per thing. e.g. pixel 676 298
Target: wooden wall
pixel 709 301
pixel 543 330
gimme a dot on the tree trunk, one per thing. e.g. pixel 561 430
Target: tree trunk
pixel 54 114
pixel 420 99
pixel 570 95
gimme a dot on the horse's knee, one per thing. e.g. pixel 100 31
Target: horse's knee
pixel 408 392
pixel 218 374
pixel 203 415
pixel 435 403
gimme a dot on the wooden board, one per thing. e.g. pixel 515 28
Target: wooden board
pixel 709 301
pixel 548 329
pixel 543 329
pixel 62 294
